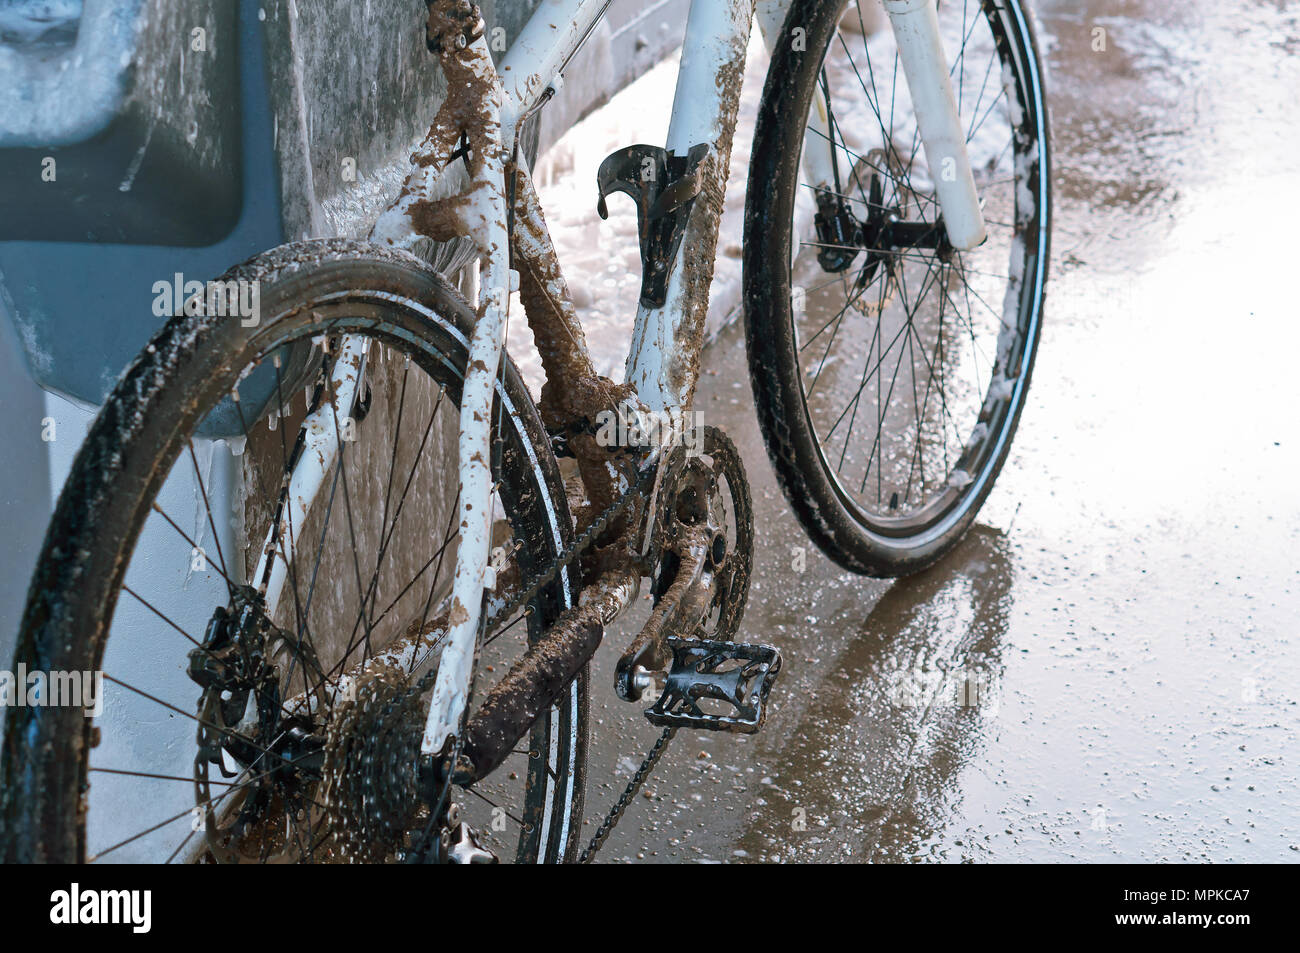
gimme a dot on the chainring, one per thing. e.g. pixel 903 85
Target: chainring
pixel 707 484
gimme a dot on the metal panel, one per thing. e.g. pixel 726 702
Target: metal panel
pixel 301 117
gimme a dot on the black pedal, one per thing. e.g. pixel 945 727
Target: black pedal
pixel 735 677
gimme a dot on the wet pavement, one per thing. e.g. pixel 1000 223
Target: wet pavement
pixel 1104 670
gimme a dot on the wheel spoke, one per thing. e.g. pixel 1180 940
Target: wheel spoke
pixel 917 315
pixel 193 545
pixel 207 508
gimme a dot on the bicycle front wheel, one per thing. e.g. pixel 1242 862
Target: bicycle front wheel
pixel 302 744
pixel 889 369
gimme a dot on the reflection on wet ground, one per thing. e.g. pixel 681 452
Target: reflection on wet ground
pixel 1104 670
pixel 891 721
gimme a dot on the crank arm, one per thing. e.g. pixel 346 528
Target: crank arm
pixel 680 610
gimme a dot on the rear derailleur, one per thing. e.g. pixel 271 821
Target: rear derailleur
pixel 450 841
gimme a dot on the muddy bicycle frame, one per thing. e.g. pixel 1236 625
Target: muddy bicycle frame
pixel 681 188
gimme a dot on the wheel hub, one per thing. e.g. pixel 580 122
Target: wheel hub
pixel 886 233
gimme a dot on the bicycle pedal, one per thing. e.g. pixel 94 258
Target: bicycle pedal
pixel 702 672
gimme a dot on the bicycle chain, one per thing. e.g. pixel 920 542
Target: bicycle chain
pixel 625 800
pixel 642 483
pixel 740 583
pixel 645 478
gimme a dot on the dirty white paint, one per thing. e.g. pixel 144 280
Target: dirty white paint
pixel 484 217
pixel 920 50
pixel 715 32
pixel 548 40
pixel 320 451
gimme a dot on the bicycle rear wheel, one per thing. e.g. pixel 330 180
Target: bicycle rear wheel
pixel 890 370
pixel 145 559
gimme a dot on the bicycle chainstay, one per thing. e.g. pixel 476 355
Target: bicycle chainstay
pixel 639 488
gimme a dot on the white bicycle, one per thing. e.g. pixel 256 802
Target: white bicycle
pixel 391 648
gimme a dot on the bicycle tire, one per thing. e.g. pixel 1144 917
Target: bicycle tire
pixel 858 537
